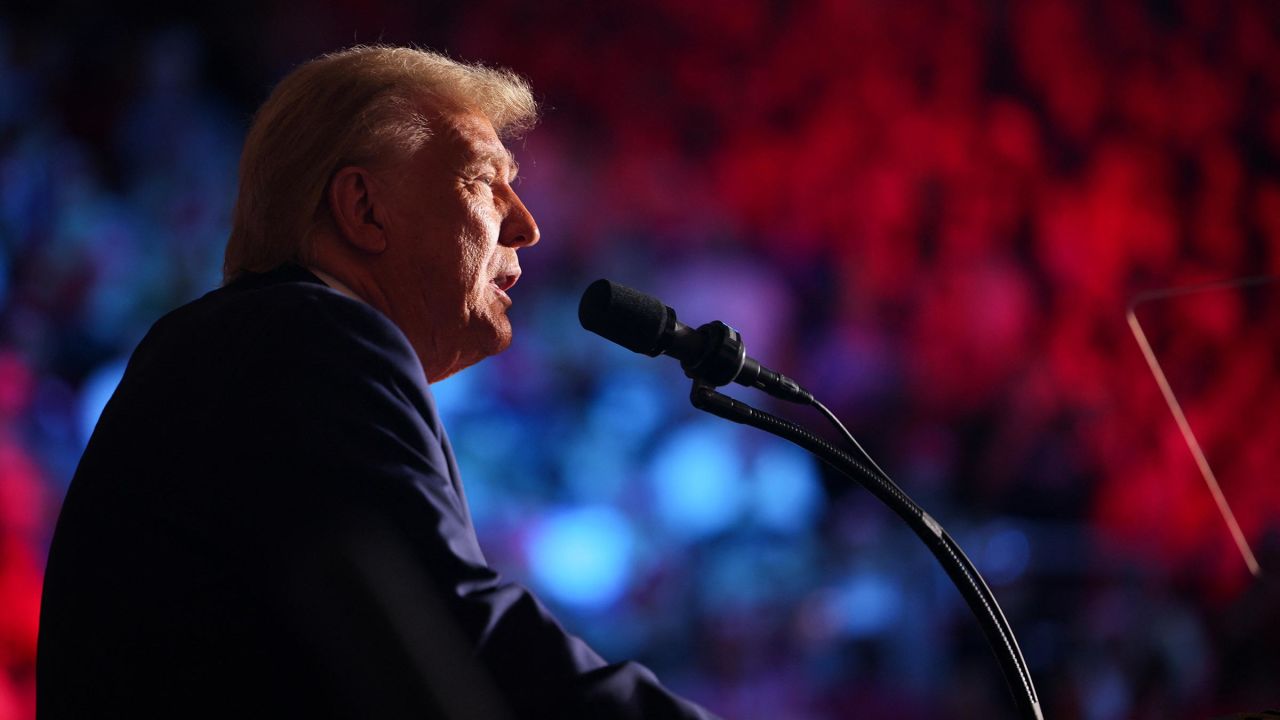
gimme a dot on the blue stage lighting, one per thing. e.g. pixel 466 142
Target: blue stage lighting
pixel 94 394
pixel 697 478
pixel 787 490
pixel 583 556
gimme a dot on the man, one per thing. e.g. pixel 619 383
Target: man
pixel 268 519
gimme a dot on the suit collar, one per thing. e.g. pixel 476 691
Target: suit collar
pixel 289 272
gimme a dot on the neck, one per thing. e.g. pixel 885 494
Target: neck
pixel 356 271
pixel 350 274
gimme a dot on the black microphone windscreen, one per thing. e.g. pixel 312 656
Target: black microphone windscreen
pixel 628 317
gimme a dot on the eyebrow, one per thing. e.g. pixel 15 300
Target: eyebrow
pixel 505 159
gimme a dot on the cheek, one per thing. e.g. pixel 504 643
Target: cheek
pixel 472 268
pixel 476 248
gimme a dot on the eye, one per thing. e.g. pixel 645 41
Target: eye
pixel 480 183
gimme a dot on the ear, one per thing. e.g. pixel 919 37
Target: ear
pixel 357 210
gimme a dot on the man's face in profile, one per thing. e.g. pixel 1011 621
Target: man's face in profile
pixel 453 226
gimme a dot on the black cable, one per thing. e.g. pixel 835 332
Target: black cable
pixel 848 436
pixel 963 574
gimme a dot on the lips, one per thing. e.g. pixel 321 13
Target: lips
pixel 506 280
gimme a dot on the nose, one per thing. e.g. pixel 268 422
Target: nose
pixel 519 229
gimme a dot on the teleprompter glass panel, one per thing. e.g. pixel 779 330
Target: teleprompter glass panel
pixel 1214 351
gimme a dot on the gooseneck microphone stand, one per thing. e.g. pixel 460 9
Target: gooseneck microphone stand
pixel 722 359
pixel 714 355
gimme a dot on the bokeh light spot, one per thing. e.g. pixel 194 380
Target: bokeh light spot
pixel 787 490
pixel 1005 555
pixel 583 556
pixel 698 479
pixel 96 392
pixel 866 604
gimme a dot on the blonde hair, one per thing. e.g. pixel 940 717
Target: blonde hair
pixel 357 106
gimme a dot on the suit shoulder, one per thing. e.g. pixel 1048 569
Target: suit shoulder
pixel 298 308
pixel 272 338
pixel 306 316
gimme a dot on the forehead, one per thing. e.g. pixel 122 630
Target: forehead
pixel 468 137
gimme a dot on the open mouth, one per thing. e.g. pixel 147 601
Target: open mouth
pixel 505 281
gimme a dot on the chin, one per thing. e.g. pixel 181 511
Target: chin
pixel 492 339
pixel 472 344
pixel 501 340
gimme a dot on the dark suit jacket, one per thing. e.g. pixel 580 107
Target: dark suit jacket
pixel 268 521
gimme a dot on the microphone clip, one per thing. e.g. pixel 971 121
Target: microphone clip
pixel 720 358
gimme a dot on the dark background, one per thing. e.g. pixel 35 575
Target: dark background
pixel 933 214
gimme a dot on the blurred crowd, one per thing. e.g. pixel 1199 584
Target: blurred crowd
pixel 934 214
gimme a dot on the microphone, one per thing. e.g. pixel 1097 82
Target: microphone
pixel 713 354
